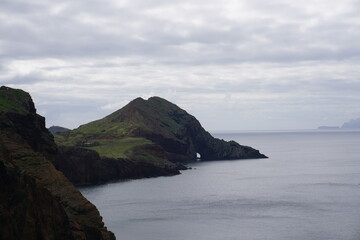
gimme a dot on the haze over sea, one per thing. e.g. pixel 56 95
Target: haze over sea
pixel 308 188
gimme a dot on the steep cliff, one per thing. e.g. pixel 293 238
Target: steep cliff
pixel 85 166
pixel 36 200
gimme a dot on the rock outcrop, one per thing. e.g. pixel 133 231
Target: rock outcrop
pixel 36 200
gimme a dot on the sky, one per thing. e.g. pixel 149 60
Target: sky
pixel 233 64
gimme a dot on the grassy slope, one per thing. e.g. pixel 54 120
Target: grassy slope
pixel 119 148
pixel 114 147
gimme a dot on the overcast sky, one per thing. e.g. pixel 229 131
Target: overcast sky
pixel 233 64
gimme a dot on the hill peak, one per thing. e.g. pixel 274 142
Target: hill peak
pixel 156 98
pixel 150 100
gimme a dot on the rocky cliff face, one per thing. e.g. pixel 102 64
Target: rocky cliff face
pixel 28 210
pixel 85 166
pixel 18 114
pixel 36 200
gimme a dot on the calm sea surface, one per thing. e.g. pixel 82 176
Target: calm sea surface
pixel 309 188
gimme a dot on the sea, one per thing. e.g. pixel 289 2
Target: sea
pixel 308 189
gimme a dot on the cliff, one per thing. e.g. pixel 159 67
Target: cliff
pixel 154 133
pixel 85 166
pixel 36 200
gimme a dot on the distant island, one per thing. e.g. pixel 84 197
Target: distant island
pixel 351 124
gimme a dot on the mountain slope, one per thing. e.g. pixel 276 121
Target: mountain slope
pixel 128 133
pixel 36 200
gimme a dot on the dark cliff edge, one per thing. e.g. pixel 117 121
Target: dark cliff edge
pixel 37 201
pixel 85 167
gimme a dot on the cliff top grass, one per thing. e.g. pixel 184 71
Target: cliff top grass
pixel 106 146
pixel 119 148
pixel 15 100
pixel 126 148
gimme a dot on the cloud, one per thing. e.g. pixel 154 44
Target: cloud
pixel 273 60
pixel 219 32
pixel 277 90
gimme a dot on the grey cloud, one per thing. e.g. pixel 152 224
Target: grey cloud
pixel 64 36
pixel 26 80
pixel 19 7
pixel 72 113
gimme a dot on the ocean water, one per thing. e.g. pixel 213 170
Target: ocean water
pixel 308 188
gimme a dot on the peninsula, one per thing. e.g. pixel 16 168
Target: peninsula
pixel 145 138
